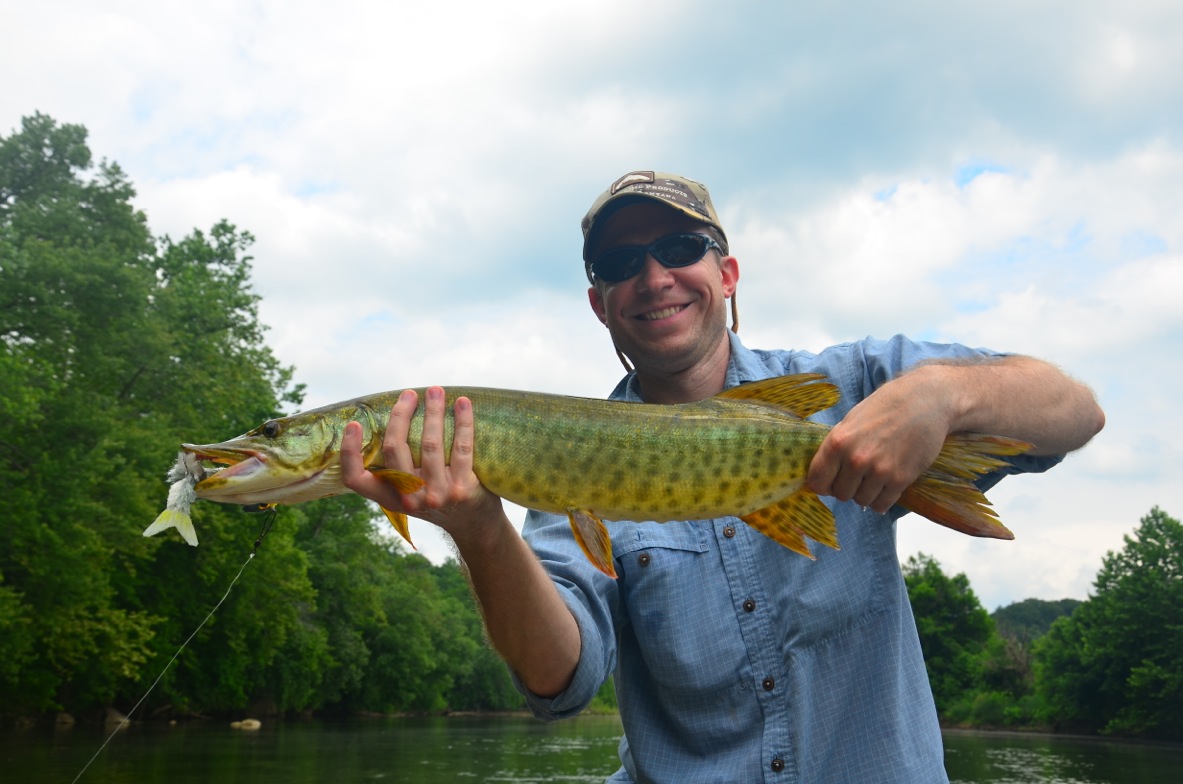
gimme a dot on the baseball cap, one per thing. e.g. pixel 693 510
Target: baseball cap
pixel 673 190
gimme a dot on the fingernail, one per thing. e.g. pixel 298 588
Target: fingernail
pixel 435 393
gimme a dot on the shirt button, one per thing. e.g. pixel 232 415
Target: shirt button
pixel 729 531
pixel 769 684
pixel 749 605
pixel 643 559
pixel 777 765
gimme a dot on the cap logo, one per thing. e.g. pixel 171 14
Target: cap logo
pixel 632 178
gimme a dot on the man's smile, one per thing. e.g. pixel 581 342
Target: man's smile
pixel 663 313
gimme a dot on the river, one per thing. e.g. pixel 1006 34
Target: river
pixel 486 749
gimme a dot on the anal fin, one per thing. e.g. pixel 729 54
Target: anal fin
pixel 794 517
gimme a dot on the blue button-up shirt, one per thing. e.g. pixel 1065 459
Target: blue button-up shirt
pixel 736 660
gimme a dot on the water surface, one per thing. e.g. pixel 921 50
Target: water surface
pixel 488 749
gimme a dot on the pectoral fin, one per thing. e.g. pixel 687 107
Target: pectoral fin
pixel 399 480
pixel 403 483
pixel 791 519
pixel 592 536
pixel 399 521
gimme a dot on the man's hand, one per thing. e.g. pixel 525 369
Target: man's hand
pixel 452 497
pixel 884 443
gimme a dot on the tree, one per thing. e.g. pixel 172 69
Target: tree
pixel 1117 663
pixel 114 348
pixel 954 629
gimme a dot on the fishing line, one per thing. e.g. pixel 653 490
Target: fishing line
pixel 267 523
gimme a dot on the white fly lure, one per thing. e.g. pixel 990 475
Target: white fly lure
pixel 184 475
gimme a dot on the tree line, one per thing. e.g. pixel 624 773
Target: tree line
pixel 116 346
pixel 1111 664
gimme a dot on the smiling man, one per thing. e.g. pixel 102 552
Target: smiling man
pixel 734 659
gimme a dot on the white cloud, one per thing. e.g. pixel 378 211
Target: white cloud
pixel 1004 176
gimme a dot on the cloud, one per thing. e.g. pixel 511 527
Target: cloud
pixel 1002 175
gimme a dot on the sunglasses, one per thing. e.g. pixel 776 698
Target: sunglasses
pixel 672 250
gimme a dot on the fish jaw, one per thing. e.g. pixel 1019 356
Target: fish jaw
pixel 254 475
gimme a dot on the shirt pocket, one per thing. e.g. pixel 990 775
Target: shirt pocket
pixel 679 621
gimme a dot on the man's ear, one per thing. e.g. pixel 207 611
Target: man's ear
pixel 596 300
pixel 729 266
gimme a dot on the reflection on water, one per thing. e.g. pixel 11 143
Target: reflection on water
pixel 412 750
pixel 971 758
pixel 488 749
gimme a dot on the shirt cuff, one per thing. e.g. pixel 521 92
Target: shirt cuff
pixel 590 672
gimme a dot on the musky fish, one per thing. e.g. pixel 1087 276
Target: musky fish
pixel 744 452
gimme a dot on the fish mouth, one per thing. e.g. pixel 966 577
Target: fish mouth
pixel 249 476
pixel 240 462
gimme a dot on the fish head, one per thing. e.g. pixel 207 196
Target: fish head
pixel 285 460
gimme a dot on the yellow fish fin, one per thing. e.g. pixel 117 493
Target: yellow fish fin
pixel 955 504
pixel 399 521
pixel 592 536
pixel 945 494
pixel 403 483
pixel 799 394
pixel 399 480
pixel 792 518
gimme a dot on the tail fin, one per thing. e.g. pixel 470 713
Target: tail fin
pixel 945 493
pixel 174 518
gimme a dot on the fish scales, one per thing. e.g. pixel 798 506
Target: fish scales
pixel 743 453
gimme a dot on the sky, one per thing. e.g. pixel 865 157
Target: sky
pixel 1007 175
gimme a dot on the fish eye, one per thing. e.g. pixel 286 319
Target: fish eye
pixel 271 429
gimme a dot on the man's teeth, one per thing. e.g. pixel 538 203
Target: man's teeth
pixel 660 314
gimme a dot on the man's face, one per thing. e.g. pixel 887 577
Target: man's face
pixel 665 319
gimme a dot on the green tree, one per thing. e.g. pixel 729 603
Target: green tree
pixel 1031 618
pixel 953 626
pixel 114 348
pixel 1117 663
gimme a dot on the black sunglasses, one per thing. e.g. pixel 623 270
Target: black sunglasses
pixel 672 250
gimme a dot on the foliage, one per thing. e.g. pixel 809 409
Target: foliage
pixel 1031 618
pixel 954 629
pixel 1117 663
pixel 116 346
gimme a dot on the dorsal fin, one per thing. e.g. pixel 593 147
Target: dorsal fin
pixel 802 394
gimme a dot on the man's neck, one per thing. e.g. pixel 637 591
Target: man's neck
pixel 706 378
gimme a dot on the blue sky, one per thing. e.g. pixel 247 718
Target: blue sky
pixel 1008 175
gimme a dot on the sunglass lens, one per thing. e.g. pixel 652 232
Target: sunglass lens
pixel 618 264
pixel 679 250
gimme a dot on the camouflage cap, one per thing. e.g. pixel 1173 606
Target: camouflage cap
pixel 680 193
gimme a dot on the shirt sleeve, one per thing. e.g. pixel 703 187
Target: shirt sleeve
pixel 590 596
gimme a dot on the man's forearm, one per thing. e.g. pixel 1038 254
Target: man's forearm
pixel 1021 397
pixel 526 619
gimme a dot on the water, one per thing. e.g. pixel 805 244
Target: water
pixel 488 749
pixel 1011 758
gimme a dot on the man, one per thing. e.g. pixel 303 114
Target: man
pixel 735 660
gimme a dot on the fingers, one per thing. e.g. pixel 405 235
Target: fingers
pixel 869 478
pixel 396 452
pixel 462 441
pixel 354 474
